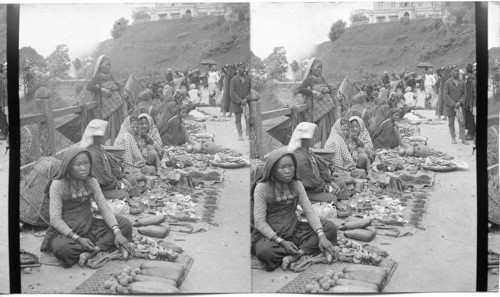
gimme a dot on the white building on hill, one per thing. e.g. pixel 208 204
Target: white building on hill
pixel 393 11
pixel 168 11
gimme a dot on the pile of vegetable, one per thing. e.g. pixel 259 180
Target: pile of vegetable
pixel 357 229
pixel 352 252
pixel 354 278
pixel 150 278
pixel 153 226
pixel 147 248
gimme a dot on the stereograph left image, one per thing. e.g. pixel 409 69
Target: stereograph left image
pixel 4 155
pixel 134 163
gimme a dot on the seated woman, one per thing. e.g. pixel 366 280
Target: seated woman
pixel 279 238
pixel 360 108
pixel 168 109
pixel 173 132
pixel 105 168
pixel 360 144
pixel 384 131
pixel 312 172
pixel 133 159
pixel 149 140
pixel 342 160
pixel 74 234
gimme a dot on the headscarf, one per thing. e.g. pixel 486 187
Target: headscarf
pixel 94 128
pixel 272 159
pixel 153 131
pixel 310 65
pixel 337 143
pixel 127 140
pixel 68 156
pixel 364 135
pixel 98 64
pixel 304 130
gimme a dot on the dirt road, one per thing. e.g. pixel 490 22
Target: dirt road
pixel 221 257
pixel 443 256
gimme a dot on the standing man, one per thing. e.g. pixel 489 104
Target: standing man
pixel 213 80
pixel 239 90
pixel 429 82
pixel 4 125
pixel 454 97
pixel 470 99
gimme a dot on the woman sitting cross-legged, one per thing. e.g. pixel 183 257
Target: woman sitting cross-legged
pixel 360 144
pixel 133 158
pixel 279 238
pixel 173 131
pixel 74 233
pixel 314 175
pixel 105 168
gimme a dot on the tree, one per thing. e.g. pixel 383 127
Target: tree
pixel 32 70
pixel 78 65
pixel 276 64
pixel 119 27
pixel 257 72
pixel 359 17
pixel 141 14
pixel 337 30
pixel 242 9
pixel 295 66
pixel 59 62
pixel 461 12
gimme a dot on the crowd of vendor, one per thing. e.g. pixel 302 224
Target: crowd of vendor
pixel 351 133
pixel 90 173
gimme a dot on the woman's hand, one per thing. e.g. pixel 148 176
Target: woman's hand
pixel 86 243
pixel 121 242
pixel 290 247
pixel 325 244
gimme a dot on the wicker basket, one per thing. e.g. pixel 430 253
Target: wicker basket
pixel 33 205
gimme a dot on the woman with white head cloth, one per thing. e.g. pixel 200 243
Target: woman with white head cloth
pixel 105 168
pixel 107 93
pixel 312 171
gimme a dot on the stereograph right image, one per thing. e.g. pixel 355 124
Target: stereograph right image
pixel 363 147
pixel 493 152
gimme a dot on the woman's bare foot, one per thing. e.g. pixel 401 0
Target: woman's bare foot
pixel 290 259
pixel 87 255
pixel 83 258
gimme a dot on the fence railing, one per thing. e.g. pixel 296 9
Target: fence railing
pixel 256 119
pixel 45 119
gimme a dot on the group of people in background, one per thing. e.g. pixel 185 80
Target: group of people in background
pixel 351 130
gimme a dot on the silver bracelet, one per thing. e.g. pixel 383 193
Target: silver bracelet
pixel 75 236
pixel 279 240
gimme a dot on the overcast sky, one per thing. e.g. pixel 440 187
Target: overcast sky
pixel 493 25
pixel 80 26
pixel 296 26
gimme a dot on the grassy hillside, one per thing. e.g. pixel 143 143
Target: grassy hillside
pixel 397 46
pixel 177 44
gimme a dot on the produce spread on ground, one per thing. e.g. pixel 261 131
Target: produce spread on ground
pixel 390 202
pixel 182 197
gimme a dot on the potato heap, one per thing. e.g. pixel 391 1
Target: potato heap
pixel 323 283
pixel 352 252
pixel 120 280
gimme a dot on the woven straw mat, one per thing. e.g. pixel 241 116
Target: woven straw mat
pixel 298 285
pixel 95 284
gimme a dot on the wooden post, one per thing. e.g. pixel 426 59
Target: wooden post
pixel 46 128
pixel 255 128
